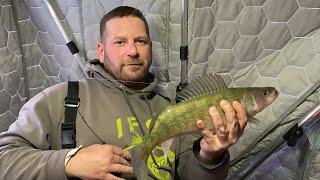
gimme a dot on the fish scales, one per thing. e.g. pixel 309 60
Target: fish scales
pixel 181 118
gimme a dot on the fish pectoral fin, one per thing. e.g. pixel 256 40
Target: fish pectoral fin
pixel 253 120
pixel 166 147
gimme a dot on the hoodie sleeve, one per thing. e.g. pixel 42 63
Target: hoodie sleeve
pixel 25 150
pixel 190 167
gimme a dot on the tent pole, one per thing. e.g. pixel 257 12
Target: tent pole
pixel 314 111
pixel 71 45
pixel 184 43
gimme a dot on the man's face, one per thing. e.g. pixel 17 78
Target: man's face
pixel 126 52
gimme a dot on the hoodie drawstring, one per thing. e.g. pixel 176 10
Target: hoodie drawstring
pixel 148 103
pixel 131 107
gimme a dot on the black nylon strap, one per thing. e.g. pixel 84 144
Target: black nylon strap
pixel 184 53
pixel 72 47
pixel 71 104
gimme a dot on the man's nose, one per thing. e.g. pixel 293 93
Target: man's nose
pixel 132 50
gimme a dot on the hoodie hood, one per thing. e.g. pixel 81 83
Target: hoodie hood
pixel 95 70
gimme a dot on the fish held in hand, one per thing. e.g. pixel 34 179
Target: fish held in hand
pixel 194 103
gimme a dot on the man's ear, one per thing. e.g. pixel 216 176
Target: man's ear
pixel 151 49
pixel 100 52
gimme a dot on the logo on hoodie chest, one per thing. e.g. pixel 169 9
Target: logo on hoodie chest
pixel 132 124
pixel 158 154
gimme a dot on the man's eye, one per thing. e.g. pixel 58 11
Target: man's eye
pixel 142 42
pixel 119 42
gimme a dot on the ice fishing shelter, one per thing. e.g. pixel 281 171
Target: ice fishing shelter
pixel 248 42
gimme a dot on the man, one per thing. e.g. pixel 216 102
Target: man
pixel 116 107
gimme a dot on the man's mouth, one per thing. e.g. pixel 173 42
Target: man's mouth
pixel 134 64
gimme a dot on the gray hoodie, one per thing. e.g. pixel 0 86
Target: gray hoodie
pixel 110 113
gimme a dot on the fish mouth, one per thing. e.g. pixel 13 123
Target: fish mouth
pixel 273 96
pixel 275 93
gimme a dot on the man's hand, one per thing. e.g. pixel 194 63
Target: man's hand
pixel 217 140
pixel 99 162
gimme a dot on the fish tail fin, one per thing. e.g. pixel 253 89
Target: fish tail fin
pixel 139 156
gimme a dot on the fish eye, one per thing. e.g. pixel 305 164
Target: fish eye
pixel 264 93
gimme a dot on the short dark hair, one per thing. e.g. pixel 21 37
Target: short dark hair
pixel 119 12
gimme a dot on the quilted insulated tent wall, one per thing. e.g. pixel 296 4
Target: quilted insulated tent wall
pixel 33 54
pixel 261 43
pixel 248 42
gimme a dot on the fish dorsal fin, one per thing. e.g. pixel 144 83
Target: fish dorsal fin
pixel 201 85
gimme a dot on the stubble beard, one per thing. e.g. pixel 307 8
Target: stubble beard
pixel 135 75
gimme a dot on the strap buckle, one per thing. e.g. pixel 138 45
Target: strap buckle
pixel 73 103
pixel 68 137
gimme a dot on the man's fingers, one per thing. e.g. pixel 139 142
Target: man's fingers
pixel 112 177
pixel 120 160
pixel 241 114
pixel 228 110
pixel 126 155
pixel 204 131
pixel 216 120
pixel 239 122
pixel 235 131
pixel 235 125
pixel 119 168
pixel 201 125
pixel 118 151
pixel 236 119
